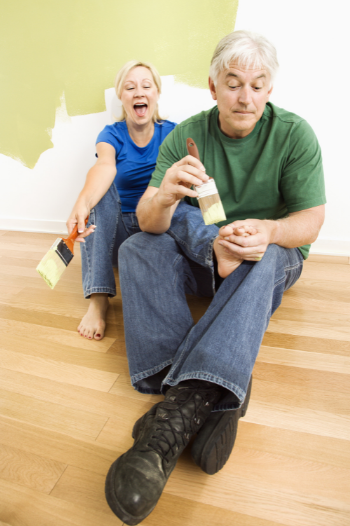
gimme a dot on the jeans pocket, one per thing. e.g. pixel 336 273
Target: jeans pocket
pixel 91 218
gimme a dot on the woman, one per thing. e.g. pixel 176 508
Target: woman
pixel 126 156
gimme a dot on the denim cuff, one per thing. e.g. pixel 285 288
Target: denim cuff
pixel 100 290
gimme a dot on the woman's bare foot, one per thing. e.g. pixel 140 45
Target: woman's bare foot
pixel 226 261
pixel 94 322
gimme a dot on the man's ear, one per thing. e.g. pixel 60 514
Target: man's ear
pixel 269 94
pixel 212 89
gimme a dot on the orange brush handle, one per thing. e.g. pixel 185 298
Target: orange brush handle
pixel 69 241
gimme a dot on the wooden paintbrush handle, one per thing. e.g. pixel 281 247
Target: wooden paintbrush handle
pixel 193 150
pixel 69 241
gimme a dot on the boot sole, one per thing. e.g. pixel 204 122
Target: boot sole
pixel 218 447
pixel 113 501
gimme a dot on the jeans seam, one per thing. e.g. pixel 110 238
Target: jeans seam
pixel 178 257
pixel 149 372
pixel 89 277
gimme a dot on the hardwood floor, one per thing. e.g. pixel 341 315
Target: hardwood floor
pixel 67 408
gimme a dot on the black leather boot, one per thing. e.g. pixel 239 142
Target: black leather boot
pixel 136 480
pixel 214 443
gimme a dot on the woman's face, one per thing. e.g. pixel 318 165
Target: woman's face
pixel 139 96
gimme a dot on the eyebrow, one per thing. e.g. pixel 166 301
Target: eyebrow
pixel 230 74
pixel 143 80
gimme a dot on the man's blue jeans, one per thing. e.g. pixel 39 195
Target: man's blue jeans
pixel 156 272
pixel 99 253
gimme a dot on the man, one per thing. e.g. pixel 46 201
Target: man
pixel 267 166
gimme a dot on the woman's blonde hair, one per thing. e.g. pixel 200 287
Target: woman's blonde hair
pixel 120 79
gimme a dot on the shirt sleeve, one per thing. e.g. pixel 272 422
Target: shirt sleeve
pixel 110 135
pixel 302 181
pixel 168 155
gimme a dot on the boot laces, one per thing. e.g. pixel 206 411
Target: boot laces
pixel 168 439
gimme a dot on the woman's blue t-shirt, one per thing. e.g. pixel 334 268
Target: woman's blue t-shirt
pixel 135 165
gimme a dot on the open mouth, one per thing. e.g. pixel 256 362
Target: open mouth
pixel 140 109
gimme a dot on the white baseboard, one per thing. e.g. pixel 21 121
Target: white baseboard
pixel 331 247
pixel 326 247
pixel 33 225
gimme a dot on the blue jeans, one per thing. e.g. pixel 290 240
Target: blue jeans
pixel 99 253
pixel 164 346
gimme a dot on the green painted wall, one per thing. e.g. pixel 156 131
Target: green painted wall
pixel 48 47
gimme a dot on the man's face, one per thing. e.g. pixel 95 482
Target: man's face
pixel 241 95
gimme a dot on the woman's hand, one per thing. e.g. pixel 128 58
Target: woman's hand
pixel 79 213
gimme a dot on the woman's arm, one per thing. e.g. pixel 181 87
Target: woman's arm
pixel 98 180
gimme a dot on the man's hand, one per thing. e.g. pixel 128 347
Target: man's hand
pixel 157 205
pixel 178 180
pixel 247 240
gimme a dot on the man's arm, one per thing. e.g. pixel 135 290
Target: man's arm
pixel 157 205
pixel 299 228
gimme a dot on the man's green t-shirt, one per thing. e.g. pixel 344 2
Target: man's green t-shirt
pixel 275 170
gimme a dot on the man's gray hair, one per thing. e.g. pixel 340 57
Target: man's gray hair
pixel 245 49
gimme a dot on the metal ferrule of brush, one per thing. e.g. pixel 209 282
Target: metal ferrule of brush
pixel 63 252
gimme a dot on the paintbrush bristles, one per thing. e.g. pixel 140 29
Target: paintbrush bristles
pixel 210 203
pixel 212 209
pixel 51 268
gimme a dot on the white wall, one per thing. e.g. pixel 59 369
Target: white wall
pixel 310 36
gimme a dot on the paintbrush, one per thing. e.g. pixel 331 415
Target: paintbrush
pixel 57 259
pixel 208 196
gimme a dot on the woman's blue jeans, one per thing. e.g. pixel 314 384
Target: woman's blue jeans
pixel 156 272
pixel 99 253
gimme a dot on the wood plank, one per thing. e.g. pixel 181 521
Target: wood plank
pixel 8 311
pixel 59 447
pixel 63 304
pixel 55 417
pixel 319 258
pixel 258 499
pixel 74 397
pixel 304 359
pixel 58 371
pixel 50 334
pixel 306 343
pixel 113 361
pixel 24 506
pixel 326 332
pixel 305 477
pixel 8 293
pixel 30 470
pixel 285 394
pixel 322 271
pixel 294 444
pixel 297 419
pixel 303 379
pixel 331 319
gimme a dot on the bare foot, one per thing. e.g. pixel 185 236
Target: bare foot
pixel 94 322
pixel 227 262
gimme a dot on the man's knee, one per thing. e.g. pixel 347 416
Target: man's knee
pixel 145 246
